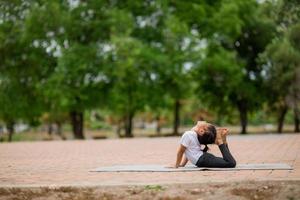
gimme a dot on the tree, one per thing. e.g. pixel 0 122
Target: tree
pixel 295 93
pixel 237 27
pixel 283 77
pixel 74 38
pixel 129 60
pixel 19 98
pixel 177 46
pixel 152 27
pixel 219 77
pixel 166 43
pixel 281 61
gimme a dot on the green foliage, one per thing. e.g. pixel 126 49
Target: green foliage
pixel 227 21
pixel 281 61
pixel 127 94
pixel 19 68
pixel 230 75
pixel 60 57
pixel 219 77
pixel 99 125
pixel 154 187
pixel 294 36
pixel 121 23
pixel 174 74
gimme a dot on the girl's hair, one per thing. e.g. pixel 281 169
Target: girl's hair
pixel 208 137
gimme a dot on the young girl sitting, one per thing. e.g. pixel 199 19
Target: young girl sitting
pixel 203 134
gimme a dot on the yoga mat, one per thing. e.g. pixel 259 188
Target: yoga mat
pixel 161 168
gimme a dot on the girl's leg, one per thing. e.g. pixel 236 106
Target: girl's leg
pixel 209 160
pixel 226 154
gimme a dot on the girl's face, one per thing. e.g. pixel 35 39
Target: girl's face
pixel 201 127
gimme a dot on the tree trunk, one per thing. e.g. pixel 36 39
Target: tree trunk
pixel 119 131
pixel 129 124
pixel 119 128
pixel 158 127
pixel 297 120
pixel 59 130
pixel 282 112
pixel 176 117
pixel 77 124
pixel 242 107
pixel 11 130
pixel 50 129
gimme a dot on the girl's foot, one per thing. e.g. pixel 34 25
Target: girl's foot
pixel 224 135
pixel 219 139
pixel 223 132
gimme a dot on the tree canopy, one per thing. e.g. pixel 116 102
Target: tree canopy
pixel 64 58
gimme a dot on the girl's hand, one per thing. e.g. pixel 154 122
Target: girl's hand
pixel 171 166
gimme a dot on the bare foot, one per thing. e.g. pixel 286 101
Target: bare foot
pixel 224 135
pixel 223 132
pixel 219 139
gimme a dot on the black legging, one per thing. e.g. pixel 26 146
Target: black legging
pixel 209 160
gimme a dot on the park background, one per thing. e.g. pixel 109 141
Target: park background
pixel 109 68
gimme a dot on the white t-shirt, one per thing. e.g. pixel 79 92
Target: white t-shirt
pixel 193 148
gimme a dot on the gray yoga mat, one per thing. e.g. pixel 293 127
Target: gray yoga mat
pixel 161 168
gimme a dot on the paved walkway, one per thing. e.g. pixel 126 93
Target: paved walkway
pixel 56 163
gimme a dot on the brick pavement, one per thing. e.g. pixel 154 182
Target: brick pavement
pixel 56 163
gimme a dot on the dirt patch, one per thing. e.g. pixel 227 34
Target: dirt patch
pixel 266 192
pixel 288 190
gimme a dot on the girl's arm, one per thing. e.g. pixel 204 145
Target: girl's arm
pixel 184 161
pixel 180 153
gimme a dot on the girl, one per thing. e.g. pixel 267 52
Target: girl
pixel 202 134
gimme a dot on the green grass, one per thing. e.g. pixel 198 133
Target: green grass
pixel 154 187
